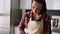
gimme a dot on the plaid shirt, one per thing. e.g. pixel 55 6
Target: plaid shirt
pixel 25 20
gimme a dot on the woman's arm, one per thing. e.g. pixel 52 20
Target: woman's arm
pixel 22 25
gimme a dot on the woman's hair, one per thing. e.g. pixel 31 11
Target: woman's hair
pixel 43 11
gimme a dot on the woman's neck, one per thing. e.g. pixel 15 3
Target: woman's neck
pixel 36 16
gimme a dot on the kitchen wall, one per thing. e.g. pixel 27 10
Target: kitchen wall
pixel 53 4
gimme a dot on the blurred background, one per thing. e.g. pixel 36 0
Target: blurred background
pixel 5 16
pixel 11 12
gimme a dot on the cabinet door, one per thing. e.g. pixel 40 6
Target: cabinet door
pixel 4 24
pixel 4 16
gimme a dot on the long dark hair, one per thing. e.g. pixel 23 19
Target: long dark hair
pixel 43 11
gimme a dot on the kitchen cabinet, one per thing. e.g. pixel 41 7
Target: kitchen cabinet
pixel 5 16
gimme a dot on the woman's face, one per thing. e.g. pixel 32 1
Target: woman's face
pixel 36 7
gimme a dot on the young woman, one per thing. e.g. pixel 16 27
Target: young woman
pixel 36 21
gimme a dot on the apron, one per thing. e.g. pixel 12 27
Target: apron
pixel 35 27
